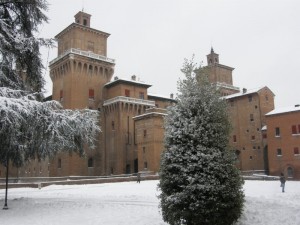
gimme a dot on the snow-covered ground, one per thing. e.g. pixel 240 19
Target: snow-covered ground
pixel 130 203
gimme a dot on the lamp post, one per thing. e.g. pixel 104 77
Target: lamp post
pixel 6 187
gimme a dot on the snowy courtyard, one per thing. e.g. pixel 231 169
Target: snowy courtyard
pixel 135 204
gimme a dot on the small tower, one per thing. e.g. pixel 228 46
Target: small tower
pixel 83 19
pixel 218 74
pixel 212 58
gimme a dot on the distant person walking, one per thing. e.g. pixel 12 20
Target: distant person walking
pixel 282 181
pixel 138 178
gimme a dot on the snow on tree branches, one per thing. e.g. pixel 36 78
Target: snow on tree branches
pixel 198 179
pixel 29 128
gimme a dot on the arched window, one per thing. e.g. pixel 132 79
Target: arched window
pixel 90 162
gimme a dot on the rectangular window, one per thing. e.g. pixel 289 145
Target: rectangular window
pixel 144 150
pixel 252 137
pixel 61 95
pixel 234 138
pixel 294 129
pixel 141 95
pixel 145 165
pixel 279 152
pixel 265 136
pixel 251 117
pixel 277 132
pixel 90 162
pixel 127 93
pixel 59 164
pixel 145 133
pixel 91 94
pixel 296 151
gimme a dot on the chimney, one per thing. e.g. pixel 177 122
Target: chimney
pixel 171 95
pixel 133 77
pixel 297 105
pixel 116 78
pixel 244 90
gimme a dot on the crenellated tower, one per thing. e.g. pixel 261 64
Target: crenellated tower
pixel 82 67
pixel 79 73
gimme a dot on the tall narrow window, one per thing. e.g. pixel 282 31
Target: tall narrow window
pixel 59 163
pixel 91 94
pixel 127 93
pixel 279 152
pixel 252 137
pixel 277 132
pixel 145 133
pixel 141 95
pixel 90 162
pixel 296 151
pixel 294 129
pixel 145 165
pixel 234 138
pixel 61 95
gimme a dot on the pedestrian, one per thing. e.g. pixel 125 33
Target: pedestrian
pixel 138 177
pixel 282 181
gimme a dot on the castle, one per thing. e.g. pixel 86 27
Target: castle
pixel 131 119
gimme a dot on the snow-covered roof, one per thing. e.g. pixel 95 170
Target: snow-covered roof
pixel 122 80
pixel 264 128
pixel 148 114
pixel 160 96
pixel 243 93
pixel 284 110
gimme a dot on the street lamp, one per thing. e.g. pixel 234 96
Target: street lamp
pixel 6 187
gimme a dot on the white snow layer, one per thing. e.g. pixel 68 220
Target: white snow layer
pixel 133 203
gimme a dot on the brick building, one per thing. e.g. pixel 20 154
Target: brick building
pixel 132 119
pixel 283 132
pixel 246 112
pixel 247 116
pixel 81 76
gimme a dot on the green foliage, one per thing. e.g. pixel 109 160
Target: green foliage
pixel 198 181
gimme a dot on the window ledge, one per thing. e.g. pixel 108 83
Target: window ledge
pixel 296 134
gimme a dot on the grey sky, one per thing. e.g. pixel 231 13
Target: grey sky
pixel 151 38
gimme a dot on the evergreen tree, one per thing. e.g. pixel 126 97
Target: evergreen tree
pixel 199 183
pixel 30 128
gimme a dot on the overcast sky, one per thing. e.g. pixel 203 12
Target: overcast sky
pixel 151 38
